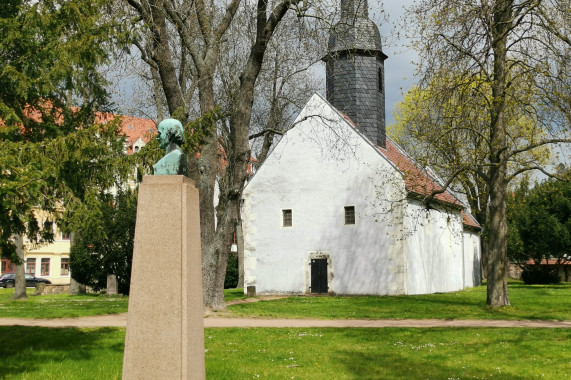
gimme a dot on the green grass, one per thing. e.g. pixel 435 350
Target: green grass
pixel 390 353
pixel 234 294
pixel 551 302
pixel 59 305
pixel 64 305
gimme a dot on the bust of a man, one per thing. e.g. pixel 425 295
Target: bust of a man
pixel 171 137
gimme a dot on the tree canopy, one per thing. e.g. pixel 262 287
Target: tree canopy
pixel 540 224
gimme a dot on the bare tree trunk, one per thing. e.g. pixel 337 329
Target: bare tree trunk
pixel 497 289
pixel 497 286
pixel 20 279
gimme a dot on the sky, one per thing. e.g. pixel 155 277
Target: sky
pixel 399 70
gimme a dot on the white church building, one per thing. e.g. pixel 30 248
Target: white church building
pixel 340 208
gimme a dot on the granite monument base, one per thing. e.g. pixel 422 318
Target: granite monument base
pixel 165 332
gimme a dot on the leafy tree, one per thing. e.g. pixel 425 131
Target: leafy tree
pixel 104 245
pixel 49 89
pixel 448 135
pixel 503 60
pixel 540 224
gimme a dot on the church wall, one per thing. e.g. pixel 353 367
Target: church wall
pixel 472 258
pixel 315 171
pixel 434 250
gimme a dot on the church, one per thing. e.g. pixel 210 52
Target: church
pixel 339 208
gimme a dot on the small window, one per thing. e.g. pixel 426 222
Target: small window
pixel 31 266
pixel 380 78
pixel 349 214
pixel 65 266
pixel 7 266
pixel 287 218
pixel 65 236
pixel 45 270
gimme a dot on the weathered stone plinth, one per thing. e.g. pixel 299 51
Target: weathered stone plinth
pixel 165 333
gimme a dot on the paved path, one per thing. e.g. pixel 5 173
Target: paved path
pixel 120 320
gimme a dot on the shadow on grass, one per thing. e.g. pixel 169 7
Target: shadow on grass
pixel 28 349
pixel 409 354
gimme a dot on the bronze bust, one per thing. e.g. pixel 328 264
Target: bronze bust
pixel 171 137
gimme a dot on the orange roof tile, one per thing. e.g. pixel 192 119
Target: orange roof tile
pixel 132 127
pixel 416 181
pixel 549 262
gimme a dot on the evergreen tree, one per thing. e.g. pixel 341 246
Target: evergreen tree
pixel 105 245
pixel 51 154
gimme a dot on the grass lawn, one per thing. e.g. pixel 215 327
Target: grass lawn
pixel 65 305
pixel 551 302
pixel 59 305
pixel 389 353
pixel 312 353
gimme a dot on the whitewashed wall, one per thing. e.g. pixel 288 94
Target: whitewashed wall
pixel 318 168
pixel 472 259
pixel 434 250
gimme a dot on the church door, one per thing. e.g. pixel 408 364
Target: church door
pixel 319 276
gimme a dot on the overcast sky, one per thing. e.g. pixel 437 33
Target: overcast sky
pixel 399 70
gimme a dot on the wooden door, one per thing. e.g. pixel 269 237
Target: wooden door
pixel 319 276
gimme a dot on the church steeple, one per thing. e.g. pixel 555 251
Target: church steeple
pixel 355 70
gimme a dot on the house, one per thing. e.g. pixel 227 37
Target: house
pixel 338 207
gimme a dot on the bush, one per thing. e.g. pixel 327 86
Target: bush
pixel 231 280
pixel 539 277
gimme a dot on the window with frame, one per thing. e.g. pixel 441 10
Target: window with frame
pixel 349 214
pixel 287 220
pixel 31 266
pixel 7 266
pixel 45 268
pixel 65 266
pixel 65 235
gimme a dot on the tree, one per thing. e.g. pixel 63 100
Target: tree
pixel 446 135
pixel 49 89
pixel 105 245
pixel 198 31
pixel 519 50
pixel 540 224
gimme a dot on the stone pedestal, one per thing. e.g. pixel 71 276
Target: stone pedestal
pixel 165 332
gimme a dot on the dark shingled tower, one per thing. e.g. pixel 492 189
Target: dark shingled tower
pixel 355 71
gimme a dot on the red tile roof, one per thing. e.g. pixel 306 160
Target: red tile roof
pixel 132 127
pixel 469 221
pixel 549 262
pixel 417 181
